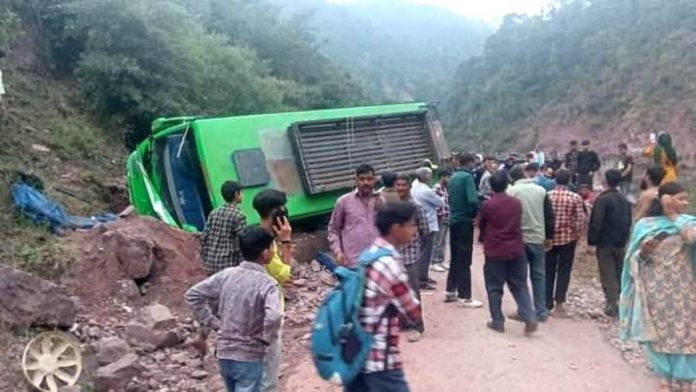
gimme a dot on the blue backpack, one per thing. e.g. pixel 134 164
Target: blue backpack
pixel 340 345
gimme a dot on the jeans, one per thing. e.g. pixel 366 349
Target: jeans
pixel 461 248
pixel 610 262
pixel 271 364
pixel 514 273
pixel 559 266
pixel 426 252
pixel 440 241
pixel 241 376
pixel 413 272
pixel 537 273
pixel 384 381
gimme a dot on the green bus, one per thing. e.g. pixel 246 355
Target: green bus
pixel 176 173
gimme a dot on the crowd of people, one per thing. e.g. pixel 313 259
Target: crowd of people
pixel 531 215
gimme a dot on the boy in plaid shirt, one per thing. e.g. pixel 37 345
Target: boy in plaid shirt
pixel 387 294
pixel 220 239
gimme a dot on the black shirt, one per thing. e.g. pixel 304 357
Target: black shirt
pixel 588 161
pixel 610 222
pixel 555 164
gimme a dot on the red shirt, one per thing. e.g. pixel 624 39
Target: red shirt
pixel 501 227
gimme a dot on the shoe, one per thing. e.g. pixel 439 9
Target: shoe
pixel 515 316
pixel 611 311
pixel 469 303
pixel 450 297
pixel 496 328
pixel 414 336
pixel 530 327
pixel 438 268
pixel 427 289
pixel 560 312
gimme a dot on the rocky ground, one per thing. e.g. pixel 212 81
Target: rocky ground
pixel 123 302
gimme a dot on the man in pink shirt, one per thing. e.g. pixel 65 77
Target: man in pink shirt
pixel 352 227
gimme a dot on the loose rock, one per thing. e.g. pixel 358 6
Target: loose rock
pixel 116 375
pixel 110 350
pixel 26 300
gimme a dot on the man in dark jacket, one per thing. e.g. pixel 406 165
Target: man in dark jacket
pixel 588 164
pixel 610 227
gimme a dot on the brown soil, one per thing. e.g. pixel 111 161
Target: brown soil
pixel 176 265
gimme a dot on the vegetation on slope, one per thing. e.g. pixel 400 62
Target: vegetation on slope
pixel 600 62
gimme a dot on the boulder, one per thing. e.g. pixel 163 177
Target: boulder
pixel 134 252
pixel 115 376
pixel 110 350
pixel 157 316
pixel 26 300
pixel 152 328
pixel 150 339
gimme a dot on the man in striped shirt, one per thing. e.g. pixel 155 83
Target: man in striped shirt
pixel 387 295
pixel 569 211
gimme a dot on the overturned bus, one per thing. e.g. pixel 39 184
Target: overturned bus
pixel 176 174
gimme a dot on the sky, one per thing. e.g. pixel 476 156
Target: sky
pixel 489 10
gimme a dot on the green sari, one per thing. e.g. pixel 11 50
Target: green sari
pixel 658 296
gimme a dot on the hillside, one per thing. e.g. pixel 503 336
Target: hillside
pixel 47 136
pixel 84 80
pixel 606 70
pixel 407 55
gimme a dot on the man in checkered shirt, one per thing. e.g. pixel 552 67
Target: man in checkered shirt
pixel 569 210
pixel 220 240
pixel 387 295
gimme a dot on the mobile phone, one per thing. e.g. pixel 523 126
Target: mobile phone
pixel 279 215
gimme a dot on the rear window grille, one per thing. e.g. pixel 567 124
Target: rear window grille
pixel 328 152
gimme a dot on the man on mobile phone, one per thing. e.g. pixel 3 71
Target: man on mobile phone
pixel 270 205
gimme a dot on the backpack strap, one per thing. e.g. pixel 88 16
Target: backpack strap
pixel 371 255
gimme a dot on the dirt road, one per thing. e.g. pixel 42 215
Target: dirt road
pixel 459 354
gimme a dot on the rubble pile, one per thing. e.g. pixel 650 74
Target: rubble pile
pixel 311 283
pixel 135 262
pixel 586 301
pixel 124 302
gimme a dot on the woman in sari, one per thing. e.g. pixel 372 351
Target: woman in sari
pixel 658 290
pixel 664 156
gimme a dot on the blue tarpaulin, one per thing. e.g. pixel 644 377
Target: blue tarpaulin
pixel 41 209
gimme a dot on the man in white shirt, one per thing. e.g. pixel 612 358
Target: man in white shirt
pixel 426 197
